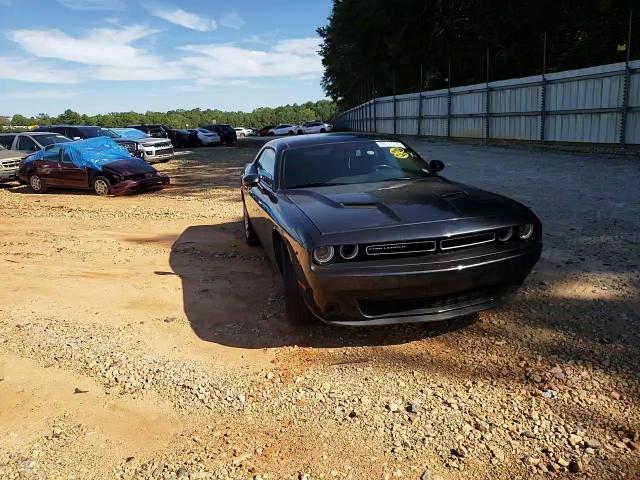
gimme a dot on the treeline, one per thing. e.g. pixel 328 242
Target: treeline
pixel 384 47
pixel 322 109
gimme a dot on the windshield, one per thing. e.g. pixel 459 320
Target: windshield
pixel 350 163
pixel 52 138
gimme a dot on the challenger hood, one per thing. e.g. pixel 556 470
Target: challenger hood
pixel 342 208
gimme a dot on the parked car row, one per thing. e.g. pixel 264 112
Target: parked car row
pixel 316 126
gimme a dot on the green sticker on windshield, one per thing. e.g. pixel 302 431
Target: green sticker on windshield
pixel 399 152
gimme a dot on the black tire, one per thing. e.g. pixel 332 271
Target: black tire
pixel 271 134
pixel 300 132
pixel 242 135
pixel 296 310
pixel 291 132
pixel 249 233
pixel 101 185
pixel 37 184
pixel 323 130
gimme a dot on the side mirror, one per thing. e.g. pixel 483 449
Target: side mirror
pixel 436 166
pixel 250 180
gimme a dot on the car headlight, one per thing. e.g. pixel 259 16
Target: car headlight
pixel 505 234
pixel 525 231
pixel 324 255
pixel 349 252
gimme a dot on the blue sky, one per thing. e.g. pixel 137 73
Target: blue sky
pixel 98 56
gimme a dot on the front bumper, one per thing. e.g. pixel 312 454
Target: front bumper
pixel 153 155
pixel 136 186
pixel 415 291
pixel 8 174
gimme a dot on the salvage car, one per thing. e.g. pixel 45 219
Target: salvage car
pixel 366 232
pixel 75 132
pixel 9 163
pixel 242 132
pixel 264 131
pixel 206 137
pixel 97 164
pixel 283 129
pixel 184 138
pixel 227 133
pixel 140 144
pixel 314 127
pixel 157 130
pixel 30 141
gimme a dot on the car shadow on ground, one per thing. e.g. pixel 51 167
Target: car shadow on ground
pixel 233 296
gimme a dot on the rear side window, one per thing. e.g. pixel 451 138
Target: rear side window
pixel 6 141
pixel 26 143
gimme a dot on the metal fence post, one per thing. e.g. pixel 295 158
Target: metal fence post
pixel 543 90
pixel 394 113
pixel 448 112
pixel 419 112
pixel 487 106
pixel 375 115
pixel 487 113
pixel 543 107
pixel 624 108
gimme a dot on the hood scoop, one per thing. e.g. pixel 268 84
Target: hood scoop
pixel 454 195
pixel 359 204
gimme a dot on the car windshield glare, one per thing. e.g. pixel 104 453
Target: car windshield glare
pixel 351 163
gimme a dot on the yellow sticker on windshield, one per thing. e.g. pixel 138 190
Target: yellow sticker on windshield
pixel 399 152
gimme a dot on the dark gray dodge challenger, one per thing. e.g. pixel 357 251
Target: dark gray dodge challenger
pixel 365 232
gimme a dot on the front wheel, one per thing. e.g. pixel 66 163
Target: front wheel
pixel 323 130
pixel 101 186
pixel 37 184
pixel 296 310
pixel 300 132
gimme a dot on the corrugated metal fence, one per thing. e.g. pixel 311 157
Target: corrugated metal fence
pixel 594 105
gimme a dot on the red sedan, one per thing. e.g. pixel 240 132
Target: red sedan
pixel 96 164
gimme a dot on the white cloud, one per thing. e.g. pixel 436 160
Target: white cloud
pixel 287 58
pixel 32 70
pixel 42 94
pixel 232 20
pixel 103 46
pixel 185 19
pixel 93 4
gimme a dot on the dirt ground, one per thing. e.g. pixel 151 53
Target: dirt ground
pixel 140 338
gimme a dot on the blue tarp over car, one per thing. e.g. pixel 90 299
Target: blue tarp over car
pixel 92 152
pixel 131 133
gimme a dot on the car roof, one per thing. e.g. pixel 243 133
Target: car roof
pixel 34 134
pixel 285 143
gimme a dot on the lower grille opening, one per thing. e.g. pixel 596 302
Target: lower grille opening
pixel 380 308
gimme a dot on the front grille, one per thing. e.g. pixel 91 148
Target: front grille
pixel 380 308
pixel 401 248
pixel 165 151
pixel 158 145
pixel 10 164
pixel 467 241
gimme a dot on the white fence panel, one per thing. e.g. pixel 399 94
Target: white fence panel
pixel 585 105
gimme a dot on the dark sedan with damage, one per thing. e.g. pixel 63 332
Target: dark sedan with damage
pixel 365 232
pixel 97 164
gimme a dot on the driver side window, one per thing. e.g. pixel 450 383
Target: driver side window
pixel 266 166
